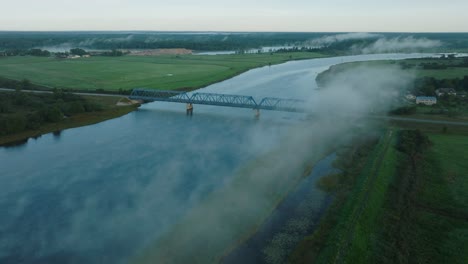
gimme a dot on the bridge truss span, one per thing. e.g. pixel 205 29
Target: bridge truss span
pixel 229 100
pixel 281 104
pixel 241 101
pixel 148 95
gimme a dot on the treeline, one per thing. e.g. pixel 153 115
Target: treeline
pixel 25 84
pixel 195 41
pixel 151 40
pixel 451 106
pixel 298 49
pixel 463 63
pixel 45 53
pixel 24 52
pixel 428 85
pixel 20 111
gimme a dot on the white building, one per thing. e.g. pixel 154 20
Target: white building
pixel 427 100
pixel 445 91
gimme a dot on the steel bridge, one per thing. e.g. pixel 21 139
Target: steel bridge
pixel 230 100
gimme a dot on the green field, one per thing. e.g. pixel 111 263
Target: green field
pixel 396 212
pixel 349 240
pixel 128 72
pixel 426 215
pixel 451 151
pixel 449 73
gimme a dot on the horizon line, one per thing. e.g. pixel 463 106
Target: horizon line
pixel 217 31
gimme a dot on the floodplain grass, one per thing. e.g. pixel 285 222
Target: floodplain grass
pixel 426 220
pixel 451 152
pixel 370 225
pixel 348 241
pixel 164 72
pixel 450 73
pixel 331 235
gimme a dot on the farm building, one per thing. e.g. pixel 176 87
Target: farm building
pixel 445 91
pixel 427 100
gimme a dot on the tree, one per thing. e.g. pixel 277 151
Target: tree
pixel 78 51
pixel 53 114
pixel 58 93
pixel 75 107
pixel 413 143
pixel 25 84
pixel 113 53
pixel 38 52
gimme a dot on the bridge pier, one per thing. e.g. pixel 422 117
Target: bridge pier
pixel 189 109
pixel 257 113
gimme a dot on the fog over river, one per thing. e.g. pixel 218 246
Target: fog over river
pixel 128 187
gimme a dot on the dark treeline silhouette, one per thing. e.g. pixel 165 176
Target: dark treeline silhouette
pixel 20 111
pixel 428 85
pixel 196 41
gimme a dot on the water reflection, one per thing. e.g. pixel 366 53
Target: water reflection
pixel 102 193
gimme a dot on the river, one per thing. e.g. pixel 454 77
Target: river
pixel 105 193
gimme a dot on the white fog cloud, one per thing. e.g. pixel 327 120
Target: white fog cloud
pixel 410 43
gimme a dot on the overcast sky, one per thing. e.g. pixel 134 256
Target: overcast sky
pixel 237 15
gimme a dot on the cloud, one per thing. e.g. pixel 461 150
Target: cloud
pixel 119 40
pixel 380 45
pixel 230 213
pixel 161 196
pixel 384 45
pixel 328 40
pixel 362 90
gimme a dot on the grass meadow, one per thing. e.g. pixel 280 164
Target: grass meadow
pixel 397 213
pixel 128 72
pixel 450 72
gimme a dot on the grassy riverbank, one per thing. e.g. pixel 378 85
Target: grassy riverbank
pixel 128 72
pixel 402 200
pixel 39 114
pixel 359 163
pixel 447 68
pixel 398 210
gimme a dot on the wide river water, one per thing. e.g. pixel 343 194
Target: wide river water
pixel 104 193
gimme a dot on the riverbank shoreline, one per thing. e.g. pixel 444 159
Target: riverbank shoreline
pixel 260 239
pixel 79 120
pixel 97 117
pixel 247 201
pixel 263 220
pixel 357 181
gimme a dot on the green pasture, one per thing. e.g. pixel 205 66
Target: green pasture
pixel 128 72
pixel 449 73
pixel 380 223
pixel 451 152
pixel 349 240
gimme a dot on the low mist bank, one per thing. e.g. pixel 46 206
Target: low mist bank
pixel 106 192
pixel 345 43
pixel 230 214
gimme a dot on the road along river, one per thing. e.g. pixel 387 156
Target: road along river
pixel 156 186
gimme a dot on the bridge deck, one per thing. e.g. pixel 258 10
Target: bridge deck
pixel 230 100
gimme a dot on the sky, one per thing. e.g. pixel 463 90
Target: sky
pixel 237 15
